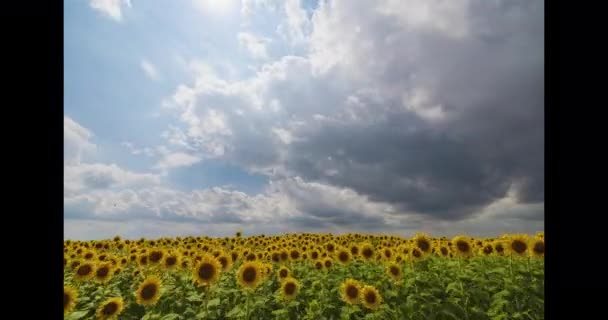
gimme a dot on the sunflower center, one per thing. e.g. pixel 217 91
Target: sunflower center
pixel 283 256
pixel 84 270
pixel 327 264
pixel 343 256
pixel 330 247
pixel 110 308
pixel 519 246
pixel 148 291
pixel 318 265
pixel 155 256
pixel 354 250
pixel 444 251
pixel 394 271
pixel 295 254
pixel 423 245
pixel 171 261
pixel 500 249
pixel 283 273
pixel 206 271
pixel 487 249
pixel 249 274
pixel 224 261
pixel 314 255
pixel 370 297
pixel 367 252
pixel 416 253
pixel 539 247
pixel 102 272
pixel 290 288
pixel 66 300
pixel 462 246
pixel 352 291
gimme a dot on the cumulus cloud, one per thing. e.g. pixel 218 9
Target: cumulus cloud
pixel 111 8
pixel 296 26
pixel 256 45
pixel 177 159
pixel 434 118
pixel 149 69
pixel 93 176
pixel 398 116
pixel 76 141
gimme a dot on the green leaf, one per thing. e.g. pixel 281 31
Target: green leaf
pixel 236 312
pixel 171 316
pixel 213 302
pixel 279 312
pixel 77 315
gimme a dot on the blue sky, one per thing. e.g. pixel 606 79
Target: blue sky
pixel 279 116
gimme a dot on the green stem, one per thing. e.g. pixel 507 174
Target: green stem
pixel 247 305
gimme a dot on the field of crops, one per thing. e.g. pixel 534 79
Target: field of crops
pixel 306 276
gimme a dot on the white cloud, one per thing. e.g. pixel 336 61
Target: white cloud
pixel 296 26
pixel 87 176
pixel 178 159
pixel 111 8
pixel 149 69
pixel 76 141
pixel 255 45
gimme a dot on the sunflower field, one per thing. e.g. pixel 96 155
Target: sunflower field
pixel 305 276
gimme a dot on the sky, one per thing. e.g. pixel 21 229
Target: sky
pixel 207 117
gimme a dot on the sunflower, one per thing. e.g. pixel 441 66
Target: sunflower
pixel 423 242
pixel 318 265
pixel 463 246
pixel 370 297
pixel 330 247
pixel 148 292
pixel 284 255
pixel 518 245
pixel 294 254
pixel 171 261
pixel 225 260
pixel 499 247
pixel 103 273
pixel 84 271
pixel 207 271
pixel 343 255
pixel 156 256
pixel 354 250
pixel 289 288
pixel 328 263
pixel 142 260
pixel 74 264
pixel 283 273
pixel 387 254
pixel 249 275
pixel 537 247
pixel 88 255
pixel 394 271
pixel 350 291
pixel 110 309
pixel 416 254
pixel 70 296
pixel 487 249
pixel 444 251
pixel 367 251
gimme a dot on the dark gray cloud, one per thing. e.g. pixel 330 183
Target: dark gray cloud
pixel 431 108
pixel 489 83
